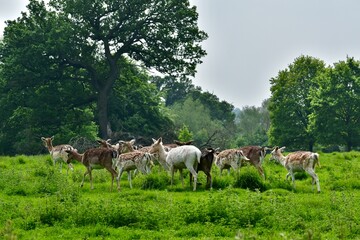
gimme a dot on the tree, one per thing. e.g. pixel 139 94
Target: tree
pixel 220 110
pixel 253 123
pixel 173 89
pixel 92 38
pixel 206 130
pixel 32 107
pixel 336 105
pixel 136 109
pixel 290 103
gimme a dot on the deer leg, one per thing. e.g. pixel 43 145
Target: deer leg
pixel 191 178
pixel 113 174
pixel 260 170
pixel 315 179
pixel 129 178
pixel 119 177
pixel 172 170
pixel 181 176
pixel 193 172
pixel 208 180
pixel 91 180
pixel 292 178
pixel 83 180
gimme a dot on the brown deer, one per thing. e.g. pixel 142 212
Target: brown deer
pixel 95 158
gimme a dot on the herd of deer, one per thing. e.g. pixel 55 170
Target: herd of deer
pixel 124 157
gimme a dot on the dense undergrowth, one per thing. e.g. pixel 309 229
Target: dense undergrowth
pixel 37 201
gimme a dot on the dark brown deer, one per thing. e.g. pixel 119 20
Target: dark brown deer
pixel 256 155
pixel 205 165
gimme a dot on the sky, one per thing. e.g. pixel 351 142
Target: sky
pixel 250 41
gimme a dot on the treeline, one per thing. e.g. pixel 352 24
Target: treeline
pixel 82 73
pixel 316 105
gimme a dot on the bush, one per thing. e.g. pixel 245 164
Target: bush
pixel 222 182
pixel 249 178
pixel 155 181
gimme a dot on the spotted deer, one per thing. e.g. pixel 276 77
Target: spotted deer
pixel 136 160
pixel 300 161
pixel 230 158
pixel 57 152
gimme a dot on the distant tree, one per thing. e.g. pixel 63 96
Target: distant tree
pixel 197 117
pixel 173 89
pixel 253 123
pixel 336 105
pixel 290 103
pixel 90 39
pixel 220 110
pixel 185 134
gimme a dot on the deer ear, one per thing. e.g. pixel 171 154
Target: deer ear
pixel 42 138
pixel 52 138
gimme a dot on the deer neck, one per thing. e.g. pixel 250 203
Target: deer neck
pixel 78 156
pixel 50 147
pixel 281 158
pixel 162 153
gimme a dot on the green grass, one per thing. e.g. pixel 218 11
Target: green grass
pixel 39 202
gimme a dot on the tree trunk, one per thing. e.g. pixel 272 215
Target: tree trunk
pixel 102 106
pixel 348 146
pixel 311 146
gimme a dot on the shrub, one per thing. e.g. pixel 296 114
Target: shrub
pixel 249 178
pixel 222 182
pixel 155 181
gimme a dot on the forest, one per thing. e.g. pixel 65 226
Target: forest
pixel 83 75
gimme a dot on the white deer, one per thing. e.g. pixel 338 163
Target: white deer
pixel 300 161
pixel 58 153
pixel 187 156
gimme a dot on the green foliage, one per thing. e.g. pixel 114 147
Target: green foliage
pixel 290 103
pixel 336 105
pixel 250 179
pixel 138 112
pixel 158 181
pixel 197 117
pixel 253 123
pixel 173 89
pixel 77 55
pixel 184 134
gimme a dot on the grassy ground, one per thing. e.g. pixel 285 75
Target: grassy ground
pixel 39 202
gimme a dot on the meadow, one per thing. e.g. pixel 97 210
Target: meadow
pixel 37 201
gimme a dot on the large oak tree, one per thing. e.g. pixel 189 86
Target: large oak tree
pixel 89 40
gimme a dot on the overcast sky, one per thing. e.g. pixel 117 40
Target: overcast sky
pixel 250 41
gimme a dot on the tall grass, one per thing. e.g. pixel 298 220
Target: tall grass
pixel 37 201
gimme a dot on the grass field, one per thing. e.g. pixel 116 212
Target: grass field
pixel 39 202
